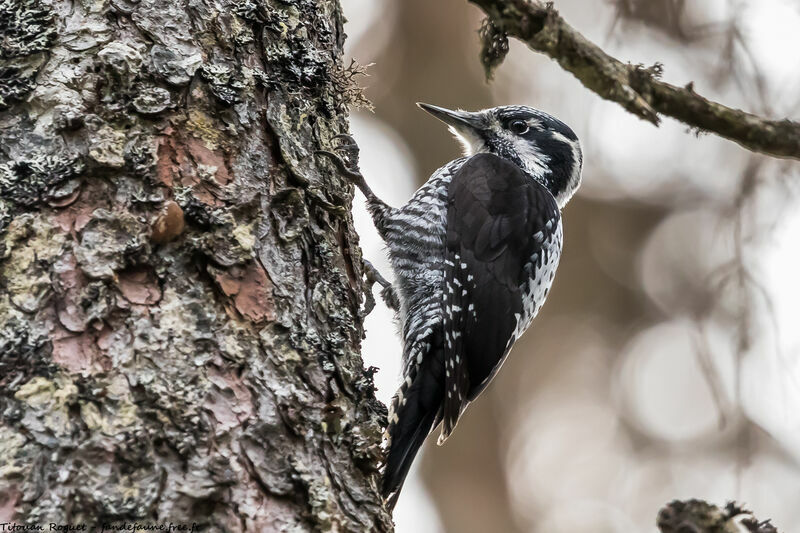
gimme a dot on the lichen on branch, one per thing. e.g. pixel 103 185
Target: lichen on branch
pixel 701 516
pixel 638 90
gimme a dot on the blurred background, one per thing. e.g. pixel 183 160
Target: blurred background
pixel 666 362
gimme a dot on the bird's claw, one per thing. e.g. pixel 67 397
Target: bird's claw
pixel 349 144
pixel 349 149
pixel 387 292
pixel 347 166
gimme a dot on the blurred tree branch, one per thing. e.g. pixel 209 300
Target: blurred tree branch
pixel 636 88
pixel 700 516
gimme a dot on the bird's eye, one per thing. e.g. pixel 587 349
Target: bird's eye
pixel 520 127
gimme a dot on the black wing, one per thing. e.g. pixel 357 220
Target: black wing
pixel 498 223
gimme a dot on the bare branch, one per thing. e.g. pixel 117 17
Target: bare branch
pixel 635 88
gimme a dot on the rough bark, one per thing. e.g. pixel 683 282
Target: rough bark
pixel 635 88
pixel 180 315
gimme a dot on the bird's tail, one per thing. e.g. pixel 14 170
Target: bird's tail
pixel 414 411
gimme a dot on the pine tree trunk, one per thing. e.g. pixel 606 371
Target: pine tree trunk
pixel 181 314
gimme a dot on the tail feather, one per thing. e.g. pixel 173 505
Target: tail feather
pixel 401 456
pixel 415 409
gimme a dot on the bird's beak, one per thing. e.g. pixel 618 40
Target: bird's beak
pixel 459 120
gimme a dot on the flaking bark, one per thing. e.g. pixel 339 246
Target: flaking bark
pixel 180 314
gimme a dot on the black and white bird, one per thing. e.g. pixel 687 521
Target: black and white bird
pixel 474 253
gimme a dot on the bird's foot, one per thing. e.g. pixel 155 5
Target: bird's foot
pixel 349 147
pixel 387 293
pixel 347 166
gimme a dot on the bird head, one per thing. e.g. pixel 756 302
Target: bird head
pixel 541 145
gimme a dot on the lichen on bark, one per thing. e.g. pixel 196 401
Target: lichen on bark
pixel 28 29
pixel 181 309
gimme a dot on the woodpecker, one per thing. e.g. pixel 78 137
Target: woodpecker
pixel 474 253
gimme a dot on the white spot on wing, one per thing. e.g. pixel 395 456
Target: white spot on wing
pixel 534 290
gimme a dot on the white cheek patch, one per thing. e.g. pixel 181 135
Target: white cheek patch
pixel 533 160
pixel 575 177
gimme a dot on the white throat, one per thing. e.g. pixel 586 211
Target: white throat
pixel 470 143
